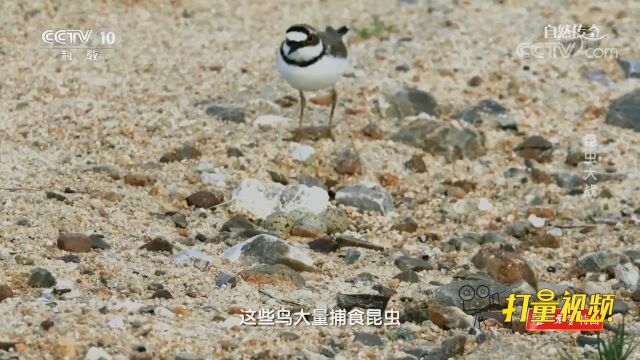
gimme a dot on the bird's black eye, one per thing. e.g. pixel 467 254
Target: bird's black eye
pixel 310 39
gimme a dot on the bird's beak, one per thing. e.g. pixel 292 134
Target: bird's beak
pixel 293 46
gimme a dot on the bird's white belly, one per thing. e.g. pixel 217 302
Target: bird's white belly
pixel 320 75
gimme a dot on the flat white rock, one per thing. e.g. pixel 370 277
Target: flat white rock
pixel 301 152
pixel 537 222
pixel 215 179
pixel 187 255
pixel 262 199
pixel 117 323
pixel 96 353
pixel 270 120
pixel 163 312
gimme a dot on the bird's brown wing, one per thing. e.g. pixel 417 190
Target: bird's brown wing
pixel 333 42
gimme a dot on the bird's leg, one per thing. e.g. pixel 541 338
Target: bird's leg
pixel 302 105
pixel 334 100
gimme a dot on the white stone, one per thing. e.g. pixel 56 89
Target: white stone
pixel 96 353
pixel 270 120
pixel 484 204
pixel 117 323
pixel 163 312
pixel 190 254
pixel 262 199
pixel 555 231
pixel 131 306
pixel 535 221
pixel 232 321
pixel 205 166
pixel 301 152
pixel 215 179
pixel 628 275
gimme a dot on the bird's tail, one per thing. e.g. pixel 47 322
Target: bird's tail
pixel 341 31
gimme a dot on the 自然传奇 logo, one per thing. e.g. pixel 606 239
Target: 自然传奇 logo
pixel 568 40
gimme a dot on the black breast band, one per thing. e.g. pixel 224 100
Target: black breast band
pixel 303 63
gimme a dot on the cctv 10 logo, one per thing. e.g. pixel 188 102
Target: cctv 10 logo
pixel 76 38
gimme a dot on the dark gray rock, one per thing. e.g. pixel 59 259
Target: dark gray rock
pixel 518 229
pixel 405 263
pixel 365 197
pixel 362 301
pixel 438 138
pixel 583 340
pixel 237 223
pixel 368 339
pixel 179 220
pixel 229 114
pixel 288 336
pixel 350 241
pixel 226 280
pixel 162 294
pixel 71 258
pixel 597 261
pixel 23 222
pixel 311 181
pixel 158 244
pixel 624 111
pixel 573 181
pixel 631 68
pixel 55 195
pixel 41 278
pixel 351 256
pixel 488 110
pixel 267 249
pixel 98 242
pixel 409 276
pixel 410 102
pixel 453 346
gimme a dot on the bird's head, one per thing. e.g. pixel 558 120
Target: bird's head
pixel 301 43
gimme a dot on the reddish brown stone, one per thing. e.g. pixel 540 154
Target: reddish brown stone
pixel 138 180
pixel 322 100
pixel 546 213
pixel 416 164
pixel 74 242
pixel 307 231
pixel 273 275
pixel 540 177
pixel 5 292
pixel 546 241
pixel 505 266
pixel 387 180
pixel 373 131
pixel 348 163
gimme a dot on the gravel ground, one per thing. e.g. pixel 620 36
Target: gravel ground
pixel 118 177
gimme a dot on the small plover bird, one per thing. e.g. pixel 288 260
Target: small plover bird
pixel 313 60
